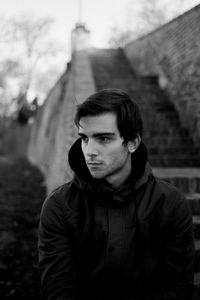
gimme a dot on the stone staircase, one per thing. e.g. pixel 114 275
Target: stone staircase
pixel 196 222
pixel 188 180
pixel 168 143
pixel 172 152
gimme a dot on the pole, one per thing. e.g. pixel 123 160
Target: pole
pixel 80 10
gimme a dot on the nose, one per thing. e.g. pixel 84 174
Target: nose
pixel 91 148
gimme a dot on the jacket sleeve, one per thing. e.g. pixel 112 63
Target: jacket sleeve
pixel 56 261
pixel 177 264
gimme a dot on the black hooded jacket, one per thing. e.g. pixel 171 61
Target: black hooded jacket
pixel 133 243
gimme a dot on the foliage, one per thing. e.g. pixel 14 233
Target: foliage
pixel 22 192
pixel 143 17
pixel 26 45
pixel 119 38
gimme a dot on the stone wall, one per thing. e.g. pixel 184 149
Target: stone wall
pixel 42 135
pixel 172 53
pixel 54 130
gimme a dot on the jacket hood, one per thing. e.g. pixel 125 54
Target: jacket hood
pixel 83 177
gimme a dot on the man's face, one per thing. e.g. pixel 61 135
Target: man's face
pixel 105 154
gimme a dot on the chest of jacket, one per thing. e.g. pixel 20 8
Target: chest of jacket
pixel 125 236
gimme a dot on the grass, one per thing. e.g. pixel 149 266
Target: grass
pixel 22 192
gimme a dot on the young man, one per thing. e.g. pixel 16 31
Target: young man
pixel 114 231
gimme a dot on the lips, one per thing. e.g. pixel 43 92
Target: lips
pixel 93 163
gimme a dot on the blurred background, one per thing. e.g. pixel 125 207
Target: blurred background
pixel 54 53
pixel 35 37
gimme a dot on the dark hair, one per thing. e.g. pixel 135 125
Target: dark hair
pixel 129 120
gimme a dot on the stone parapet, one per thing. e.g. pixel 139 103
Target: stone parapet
pixel 54 130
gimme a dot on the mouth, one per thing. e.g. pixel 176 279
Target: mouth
pixel 95 168
pixel 94 164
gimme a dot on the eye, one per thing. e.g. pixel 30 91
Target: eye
pixel 104 139
pixel 84 139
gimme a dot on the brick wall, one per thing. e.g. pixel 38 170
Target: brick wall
pixel 54 130
pixel 172 53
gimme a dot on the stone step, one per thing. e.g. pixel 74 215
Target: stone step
pixel 171 160
pixel 176 154
pixel 176 148
pixel 196 226
pixel 194 201
pixel 186 179
pixel 197 256
pixel 197 279
pixel 196 295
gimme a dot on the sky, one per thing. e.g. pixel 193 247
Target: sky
pixel 99 15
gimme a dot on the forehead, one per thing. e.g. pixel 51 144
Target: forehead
pixel 102 123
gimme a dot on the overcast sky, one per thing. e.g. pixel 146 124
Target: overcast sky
pixel 99 15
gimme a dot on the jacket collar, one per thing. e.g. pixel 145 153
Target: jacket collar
pixel 145 177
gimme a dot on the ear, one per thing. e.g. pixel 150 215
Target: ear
pixel 134 144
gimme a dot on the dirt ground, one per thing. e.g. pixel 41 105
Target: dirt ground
pixel 22 192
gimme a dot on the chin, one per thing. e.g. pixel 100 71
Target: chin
pixel 97 175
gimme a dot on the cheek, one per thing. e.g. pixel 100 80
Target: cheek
pixel 117 154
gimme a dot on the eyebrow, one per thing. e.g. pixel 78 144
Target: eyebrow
pixel 99 134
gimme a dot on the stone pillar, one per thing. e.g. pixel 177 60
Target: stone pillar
pixel 80 37
pixel 83 82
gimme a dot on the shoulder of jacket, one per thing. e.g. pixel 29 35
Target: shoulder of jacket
pixel 60 190
pixel 63 196
pixel 167 187
pixel 171 195
pixel 56 211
